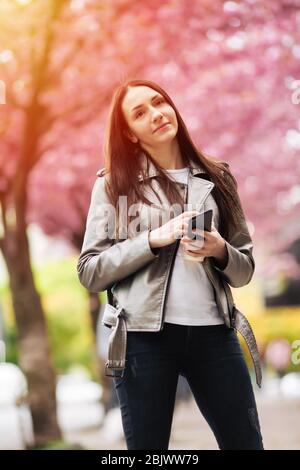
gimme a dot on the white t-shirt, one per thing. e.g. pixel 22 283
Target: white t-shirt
pixel 190 298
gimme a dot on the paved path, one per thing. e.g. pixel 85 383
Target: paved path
pixel 279 418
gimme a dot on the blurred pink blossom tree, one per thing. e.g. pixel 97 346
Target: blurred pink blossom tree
pixel 231 67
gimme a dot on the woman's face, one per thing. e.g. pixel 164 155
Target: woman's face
pixel 145 110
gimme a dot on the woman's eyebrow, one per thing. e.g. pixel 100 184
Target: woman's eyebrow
pixel 140 105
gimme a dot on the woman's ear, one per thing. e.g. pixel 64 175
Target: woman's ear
pixel 131 137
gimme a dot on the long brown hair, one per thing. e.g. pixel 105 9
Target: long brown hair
pixel 122 166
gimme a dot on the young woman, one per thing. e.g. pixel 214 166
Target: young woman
pixel 170 313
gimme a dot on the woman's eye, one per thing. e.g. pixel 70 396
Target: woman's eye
pixel 141 112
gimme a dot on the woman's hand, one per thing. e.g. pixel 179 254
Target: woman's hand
pixel 168 233
pixel 213 245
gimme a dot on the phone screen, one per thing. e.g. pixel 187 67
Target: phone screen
pixel 201 221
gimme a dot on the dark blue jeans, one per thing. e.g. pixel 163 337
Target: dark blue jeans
pixel 212 361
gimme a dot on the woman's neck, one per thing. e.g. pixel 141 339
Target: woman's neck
pixel 168 156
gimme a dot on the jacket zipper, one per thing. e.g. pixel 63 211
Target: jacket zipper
pixel 215 290
pixel 170 269
pixel 171 264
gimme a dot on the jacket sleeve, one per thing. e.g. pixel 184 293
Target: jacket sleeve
pixel 102 262
pixel 240 264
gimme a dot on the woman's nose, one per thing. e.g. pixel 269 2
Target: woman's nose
pixel 156 115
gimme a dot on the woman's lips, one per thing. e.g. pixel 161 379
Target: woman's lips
pixel 162 127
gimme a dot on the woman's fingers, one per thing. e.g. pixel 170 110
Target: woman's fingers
pixel 199 231
pixel 195 255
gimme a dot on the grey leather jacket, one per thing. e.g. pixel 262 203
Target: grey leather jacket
pixel 136 276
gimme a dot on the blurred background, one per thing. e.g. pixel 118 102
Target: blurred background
pixel 233 70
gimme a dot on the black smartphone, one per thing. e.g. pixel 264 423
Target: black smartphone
pixel 201 221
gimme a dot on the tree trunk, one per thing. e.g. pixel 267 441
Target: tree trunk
pixel 95 306
pixel 33 348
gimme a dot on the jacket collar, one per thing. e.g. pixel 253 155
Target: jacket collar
pixel 148 170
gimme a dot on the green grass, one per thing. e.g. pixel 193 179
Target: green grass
pixel 60 445
pixel 65 303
